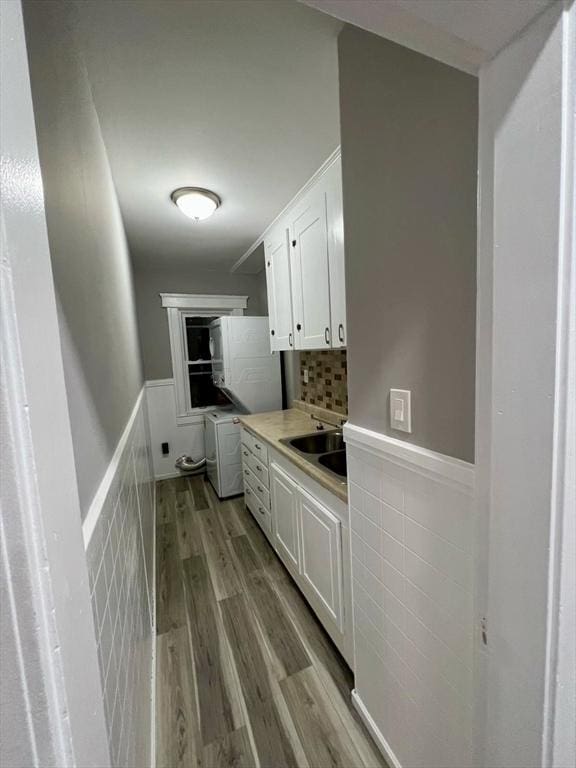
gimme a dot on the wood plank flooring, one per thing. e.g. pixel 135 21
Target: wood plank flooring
pixel 246 676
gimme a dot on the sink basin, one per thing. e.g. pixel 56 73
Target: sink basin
pixel 335 462
pixel 318 442
pixel 324 449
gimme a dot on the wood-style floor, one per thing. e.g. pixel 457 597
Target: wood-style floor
pixel 245 674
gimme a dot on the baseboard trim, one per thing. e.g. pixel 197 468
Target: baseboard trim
pixel 414 457
pixel 91 519
pixel 374 731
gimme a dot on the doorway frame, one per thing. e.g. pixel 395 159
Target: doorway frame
pixel 50 513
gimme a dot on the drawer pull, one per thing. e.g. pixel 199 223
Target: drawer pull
pixel 261 489
pixel 261 511
pixel 246 472
pixel 245 453
pixel 259 468
pixel 247 491
pixel 258 448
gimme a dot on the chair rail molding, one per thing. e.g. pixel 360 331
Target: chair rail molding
pixel 442 468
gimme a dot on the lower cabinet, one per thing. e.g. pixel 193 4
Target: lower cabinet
pixel 285 506
pixel 310 535
pixel 321 555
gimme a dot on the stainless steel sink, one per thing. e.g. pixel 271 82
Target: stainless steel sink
pixel 324 449
pixel 335 462
pixel 318 442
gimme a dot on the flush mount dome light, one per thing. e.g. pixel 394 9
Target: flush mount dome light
pixel 195 203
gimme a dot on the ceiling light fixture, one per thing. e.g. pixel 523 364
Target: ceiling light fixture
pixel 196 203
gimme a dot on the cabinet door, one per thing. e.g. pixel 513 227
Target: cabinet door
pixel 321 555
pixel 332 181
pixel 277 254
pixel 285 513
pixel 309 269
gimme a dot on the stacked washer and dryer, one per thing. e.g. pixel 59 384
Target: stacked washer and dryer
pixel 249 375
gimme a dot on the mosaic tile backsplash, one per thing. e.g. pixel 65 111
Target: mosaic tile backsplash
pixel 327 385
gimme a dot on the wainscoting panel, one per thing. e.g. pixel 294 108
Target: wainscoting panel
pixel 412 572
pixel 119 540
pixel 181 438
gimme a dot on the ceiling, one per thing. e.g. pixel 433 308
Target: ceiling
pixel 241 97
pixel 238 96
pixel 462 33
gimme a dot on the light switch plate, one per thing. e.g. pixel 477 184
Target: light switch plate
pixel 400 410
pixel 305 372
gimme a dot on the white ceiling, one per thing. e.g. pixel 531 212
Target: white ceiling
pixel 241 97
pixel 238 96
pixel 462 33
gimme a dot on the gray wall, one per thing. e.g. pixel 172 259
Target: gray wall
pixel 90 259
pixel 153 319
pixel 409 154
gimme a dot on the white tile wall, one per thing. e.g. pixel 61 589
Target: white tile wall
pixel 120 567
pixel 413 613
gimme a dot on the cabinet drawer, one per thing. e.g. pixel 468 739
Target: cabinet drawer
pixel 255 445
pixel 259 469
pixel 260 450
pixel 257 486
pixel 258 510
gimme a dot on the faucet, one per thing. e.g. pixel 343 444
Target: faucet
pixel 322 422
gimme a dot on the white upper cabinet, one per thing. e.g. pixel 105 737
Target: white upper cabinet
pixel 305 267
pixel 332 181
pixel 310 276
pixel 277 261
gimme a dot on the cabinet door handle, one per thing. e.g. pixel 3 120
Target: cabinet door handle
pixel 298 327
pixel 340 332
pixel 290 339
pixel 327 335
pixel 293 243
pixel 272 332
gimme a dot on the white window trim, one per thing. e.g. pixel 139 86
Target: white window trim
pixel 180 306
pixel 221 305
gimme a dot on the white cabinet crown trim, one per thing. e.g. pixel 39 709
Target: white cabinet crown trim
pixel 423 460
pixel 297 197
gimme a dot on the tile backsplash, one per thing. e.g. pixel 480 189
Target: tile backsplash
pixel 327 385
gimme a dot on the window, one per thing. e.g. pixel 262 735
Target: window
pixel 201 391
pixel 189 318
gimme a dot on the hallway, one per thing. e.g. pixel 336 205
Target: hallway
pixel 245 674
